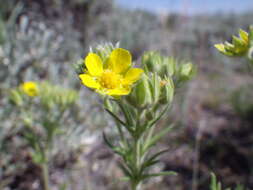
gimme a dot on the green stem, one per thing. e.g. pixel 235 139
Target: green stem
pixel 136 186
pixel 45 176
pixel 135 183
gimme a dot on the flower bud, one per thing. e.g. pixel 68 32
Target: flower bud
pixel 155 87
pixel 186 71
pixel 141 95
pixel 104 50
pixel 169 65
pixel 239 45
pixel 167 91
pixel 151 62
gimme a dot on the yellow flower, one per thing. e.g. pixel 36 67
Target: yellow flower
pixel 30 88
pixel 114 77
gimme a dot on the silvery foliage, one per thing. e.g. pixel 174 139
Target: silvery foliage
pixel 36 51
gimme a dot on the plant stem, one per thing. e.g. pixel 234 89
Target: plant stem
pixel 135 183
pixel 136 186
pixel 45 176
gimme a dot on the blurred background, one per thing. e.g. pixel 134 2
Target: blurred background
pixel 42 39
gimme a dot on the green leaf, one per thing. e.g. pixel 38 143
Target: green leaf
pixel 213 182
pixel 239 187
pixel 166 173
pixel 157 137
pixel 125 170
pixel 148 164
pixel 152 122
pixel 124 179
pixel 127 113
pixel 106 140
pixel 32 139
pixel 117 119
pixel 115 149
pixel 152 160
pixel 219 186
pixel 63 186
pixel 215 185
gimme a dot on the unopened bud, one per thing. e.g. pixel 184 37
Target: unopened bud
pixel 141 95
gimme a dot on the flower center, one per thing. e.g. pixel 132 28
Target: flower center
pixel 110 79
pixel 32 91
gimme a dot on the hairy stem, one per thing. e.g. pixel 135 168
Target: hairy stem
pixel 45 174
pixel 136 186
pixel 135 183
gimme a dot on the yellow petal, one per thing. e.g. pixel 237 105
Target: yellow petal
pixel 30 88
pixel 120 60
pixel 118 91
pixel 94 64
pixel 89 81
pixel 132 75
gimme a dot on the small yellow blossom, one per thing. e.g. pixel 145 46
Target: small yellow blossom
pixel 114 77
pixel 30 88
